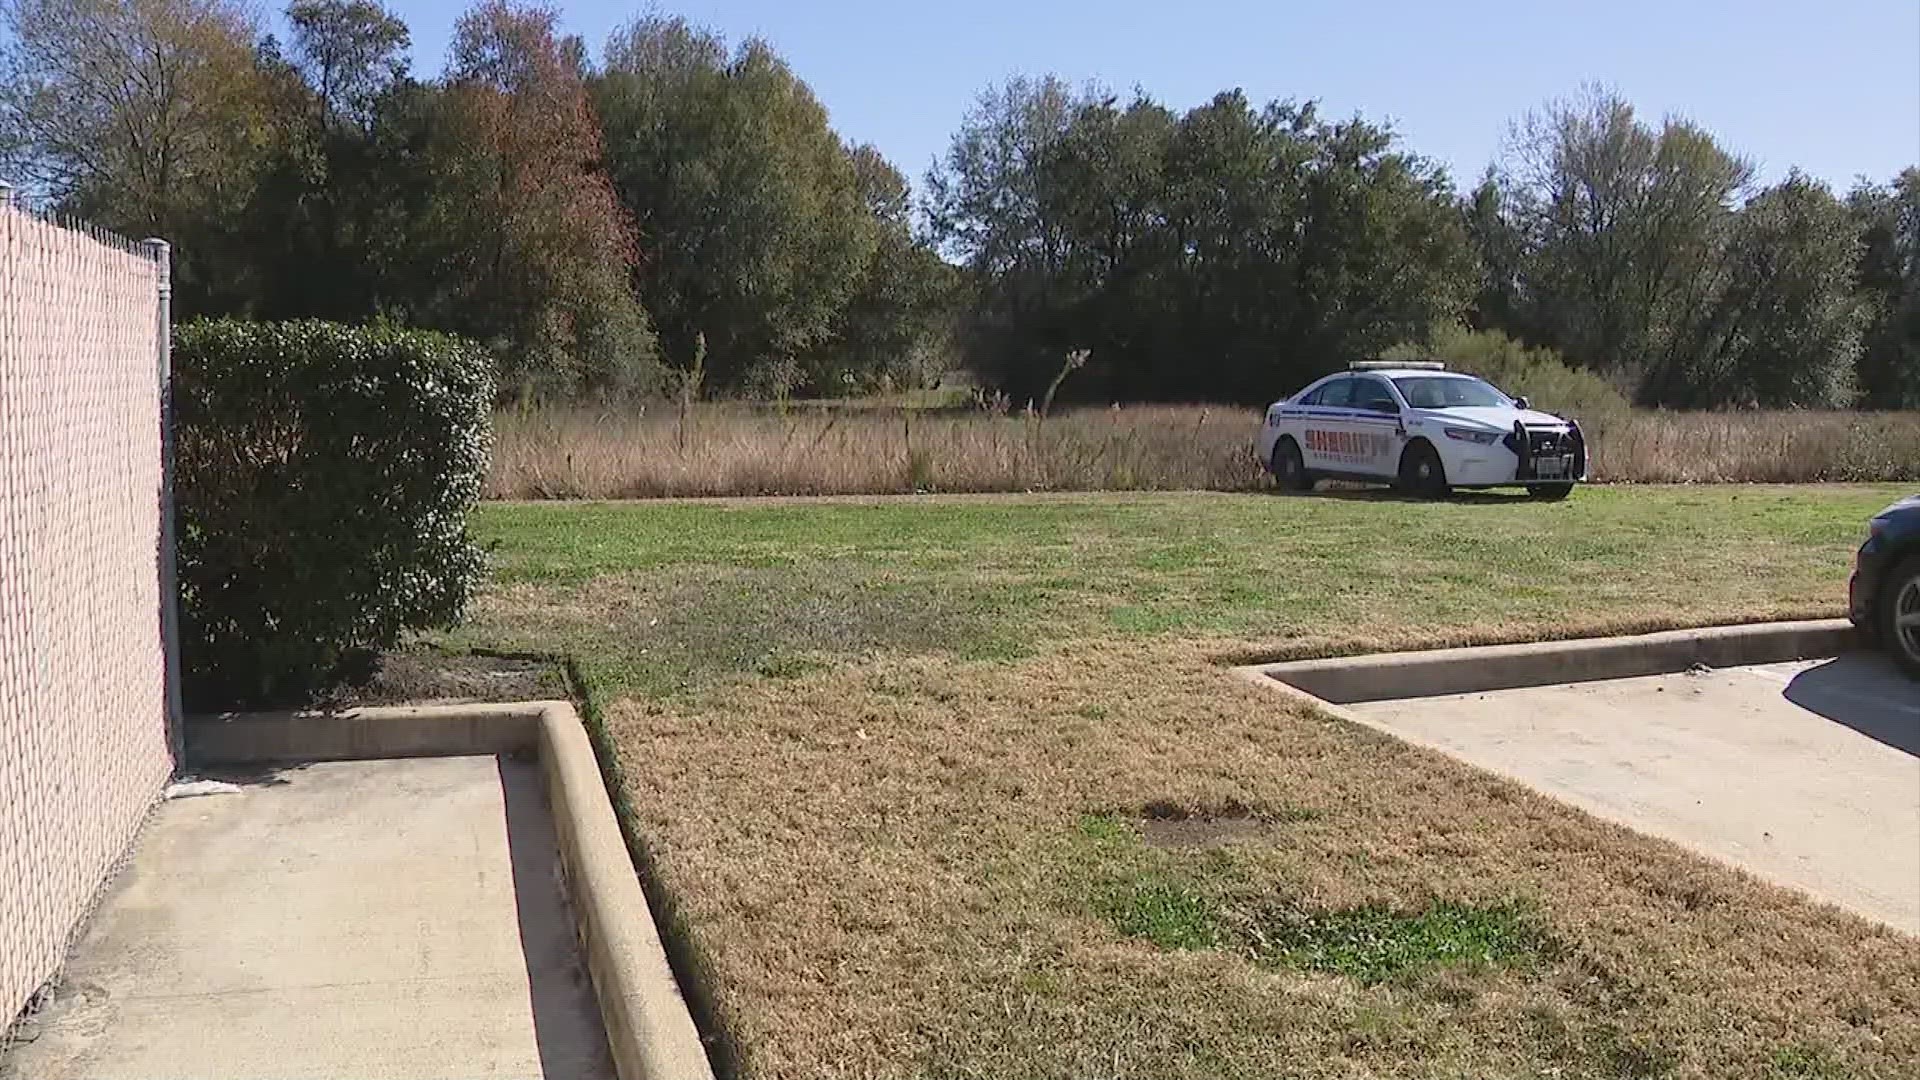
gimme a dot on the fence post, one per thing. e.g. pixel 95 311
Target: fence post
pixel 162 255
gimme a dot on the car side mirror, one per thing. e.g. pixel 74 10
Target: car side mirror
pixel 1522 402
pixel 1387 407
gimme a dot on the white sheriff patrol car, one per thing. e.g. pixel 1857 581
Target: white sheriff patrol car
pixel 1422 427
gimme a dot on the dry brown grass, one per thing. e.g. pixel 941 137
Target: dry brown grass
pixel 830 452
pixel 1779 447
pixel 737 451
pixel 884 873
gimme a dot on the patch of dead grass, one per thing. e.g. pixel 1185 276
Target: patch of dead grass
pixel 864 739
pixel 882 871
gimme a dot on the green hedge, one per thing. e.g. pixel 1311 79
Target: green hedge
pixel 323 479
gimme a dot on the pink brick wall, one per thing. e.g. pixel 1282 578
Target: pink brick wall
pixel 83 736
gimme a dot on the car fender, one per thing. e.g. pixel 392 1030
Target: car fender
pixel 1454 454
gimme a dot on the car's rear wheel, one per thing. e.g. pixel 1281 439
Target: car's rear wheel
pixel 1549 492
pixel 1899 615
pixel 1289 467
pixel 1422 473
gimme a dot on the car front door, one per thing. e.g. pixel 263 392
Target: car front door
pixel 1375 421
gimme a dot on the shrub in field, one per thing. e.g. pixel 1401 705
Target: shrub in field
pixel 1540 375
pixel 323 477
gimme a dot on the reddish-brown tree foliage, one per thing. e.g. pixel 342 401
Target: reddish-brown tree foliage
pixel 548 246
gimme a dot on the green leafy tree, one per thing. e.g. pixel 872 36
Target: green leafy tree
pixel 353 54
pixel 1627 248
pixel 1785 330
pixel 748 207
pixel 1888 279
pixel 1224 253
pixel 893 330
pixel 146 116
pixel 1624 227
pixel 1501 249
pixel 985 207
pixel 328 225
pixel 138 111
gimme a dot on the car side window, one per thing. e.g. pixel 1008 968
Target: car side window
pixel 1313 398
pixel 1373 394
pixel 1337 394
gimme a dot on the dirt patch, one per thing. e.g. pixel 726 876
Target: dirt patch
pixel 1172 824
pixel 1198 832
pixel 434 677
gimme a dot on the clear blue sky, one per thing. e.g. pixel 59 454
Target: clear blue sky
pixel 1833 88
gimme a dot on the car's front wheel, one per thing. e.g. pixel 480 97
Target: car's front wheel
pixel 1422 472
pixel 1289 467
pixel 1899 615
pixel 1549 492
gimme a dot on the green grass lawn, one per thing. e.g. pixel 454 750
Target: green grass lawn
pixel 958 788
pixel 669 598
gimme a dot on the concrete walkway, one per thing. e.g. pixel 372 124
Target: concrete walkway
pixel 1807 774
pixel 381 920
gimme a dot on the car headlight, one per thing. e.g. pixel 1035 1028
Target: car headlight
pixel 1484 438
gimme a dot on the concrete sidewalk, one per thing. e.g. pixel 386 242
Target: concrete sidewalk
pixel 1805 773
pixel 382 920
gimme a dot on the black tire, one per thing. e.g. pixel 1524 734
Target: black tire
pixel 1549 492
pixel 1289 468
pixel 1422 473
pixel 1899 600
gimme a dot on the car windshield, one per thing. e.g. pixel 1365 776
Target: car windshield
pixel 1448 392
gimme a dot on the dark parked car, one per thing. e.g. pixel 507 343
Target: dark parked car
pixel 1884 596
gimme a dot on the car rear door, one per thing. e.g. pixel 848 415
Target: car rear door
pixel 1324 438
pixel 1348 434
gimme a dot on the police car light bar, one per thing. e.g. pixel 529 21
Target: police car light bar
pixel 1391 365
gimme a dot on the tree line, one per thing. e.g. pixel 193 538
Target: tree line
pixel 678 216
pixel 1234 252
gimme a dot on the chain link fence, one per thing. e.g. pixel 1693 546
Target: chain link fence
pixel 84 722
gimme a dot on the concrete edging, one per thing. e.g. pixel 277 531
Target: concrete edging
pixel 1431 673
pixel 650 1030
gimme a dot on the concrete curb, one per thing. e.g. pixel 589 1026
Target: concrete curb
pixel 1385 676
pixel 649 1027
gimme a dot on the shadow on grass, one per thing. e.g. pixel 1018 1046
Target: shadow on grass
pixel 1499 497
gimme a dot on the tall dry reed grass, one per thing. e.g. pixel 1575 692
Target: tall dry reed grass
pixel 729 450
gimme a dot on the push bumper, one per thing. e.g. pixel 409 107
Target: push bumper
pixel 1524 456
pixel 1547 455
